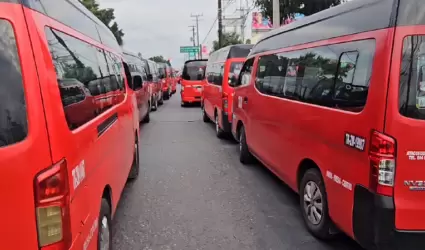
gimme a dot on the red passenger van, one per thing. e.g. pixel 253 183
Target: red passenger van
pixel 223 68
pixel 166 78
pixel 334 105
pixel 192 80
pixel 139 85
pixel 156 83
pixel 68 137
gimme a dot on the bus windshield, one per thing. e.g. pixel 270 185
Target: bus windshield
pixel 194 70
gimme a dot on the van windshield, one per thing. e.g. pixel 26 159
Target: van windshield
pixel 194 70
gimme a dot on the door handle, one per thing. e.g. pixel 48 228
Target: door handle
pixel 245 100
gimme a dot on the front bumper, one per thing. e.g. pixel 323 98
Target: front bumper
pixel 374 224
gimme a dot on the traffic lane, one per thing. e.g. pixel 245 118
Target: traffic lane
pixel 193 193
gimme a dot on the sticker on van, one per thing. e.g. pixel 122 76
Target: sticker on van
pixel 78 174
pixel 416 155
pixel 354 141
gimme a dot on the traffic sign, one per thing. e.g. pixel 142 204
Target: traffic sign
pixel 189 49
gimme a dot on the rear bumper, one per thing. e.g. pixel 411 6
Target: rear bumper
pixel 191 96
pixel 374 224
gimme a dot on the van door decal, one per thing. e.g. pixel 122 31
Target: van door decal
pixel 416 155
pixel 78 174
pixel 354 141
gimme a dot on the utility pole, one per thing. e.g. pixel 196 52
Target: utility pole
pixel 193 34
pixel 197 33
pixel 220 24
pixel 276 14
pixel 244 9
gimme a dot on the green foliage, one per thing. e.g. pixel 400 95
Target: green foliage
pixel 248 41
pixel 106 16
pixel 290 7
pixel 228 39
pixel 160 59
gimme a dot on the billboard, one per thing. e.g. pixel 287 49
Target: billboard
pixel 259 22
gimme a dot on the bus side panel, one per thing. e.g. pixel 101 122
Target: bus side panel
pixel 22 161
pixel 95 158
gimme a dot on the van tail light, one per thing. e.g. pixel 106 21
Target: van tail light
pixel 225 102
pixel 52 207
pixel 382 155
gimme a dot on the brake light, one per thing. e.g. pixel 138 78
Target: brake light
pixel 52 207
pixel 225 102
pixel 382 155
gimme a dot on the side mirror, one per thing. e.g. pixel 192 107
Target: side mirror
pixel 150 77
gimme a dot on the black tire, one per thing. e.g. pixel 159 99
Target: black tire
pixel 205 117
pixel 105 212
pixel 135 168
pixel 161 100
pixel 323 229
pixel 154 106
pixel 166 95
pixel 218 131
pixel 147 117
pixel 245 156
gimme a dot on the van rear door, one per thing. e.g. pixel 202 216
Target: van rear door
pixel 405 122
pixel 24 144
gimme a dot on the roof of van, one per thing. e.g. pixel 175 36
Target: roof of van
pixel 319 16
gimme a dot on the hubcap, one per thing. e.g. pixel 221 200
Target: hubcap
pixel 313 203
pixel 240 142
pixel 104 234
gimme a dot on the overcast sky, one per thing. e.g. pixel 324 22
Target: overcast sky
pixel 160 27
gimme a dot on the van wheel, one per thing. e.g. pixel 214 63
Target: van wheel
pixel 104 235
pixel 147 118
pixel 154 107
pixel 245 157
pixel 161 100
pixel 205 117
pixel 166 96
pixel 218 131
pixel 134 171
pixel 314 205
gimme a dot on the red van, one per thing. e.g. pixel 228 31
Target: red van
pixel 223 68
pixel 192 80
pixel 68 137
pixel 139 85
pixel 166 79
pixel 331 104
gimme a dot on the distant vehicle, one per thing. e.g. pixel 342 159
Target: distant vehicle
pixel 334 104
pixel 223 68
pixel 166 78
pixel 193 76
pixel 156 84
pixel 140 85
pixel 68 138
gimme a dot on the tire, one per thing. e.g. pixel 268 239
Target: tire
pixel 135 168
pixel 322 228
pixel 147 117
pixel 245 156
pixel 166 96
pixel 205 117
pixel 154 106
pixel 161 100
pixel 218 131
pixel 104 235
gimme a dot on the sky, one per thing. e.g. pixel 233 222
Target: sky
pixel 160 27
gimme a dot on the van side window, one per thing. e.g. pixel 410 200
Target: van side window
pixel 334 76
pixel 412 78
pixel 83 78
pixel 13 114
pixel 246 72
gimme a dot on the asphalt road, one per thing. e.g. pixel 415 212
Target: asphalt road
pixel 192 193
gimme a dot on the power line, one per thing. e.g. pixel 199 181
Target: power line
pixel 212 26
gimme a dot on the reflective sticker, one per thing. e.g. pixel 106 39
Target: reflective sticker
pixel 78 174
pixel 91 233
pixel 339 180
pixel 354 141
pixel 416 155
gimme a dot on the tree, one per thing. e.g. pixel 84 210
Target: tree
pixel 228 39
pixel 106 16
pixel 248 41
pixel 160 59
pixel 289 7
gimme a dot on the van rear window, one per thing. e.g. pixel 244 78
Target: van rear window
pixel 13 118
pixel 412 78
pixel 194 71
